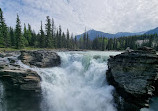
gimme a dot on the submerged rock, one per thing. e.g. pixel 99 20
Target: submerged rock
pixel 134 74
pixel 40 58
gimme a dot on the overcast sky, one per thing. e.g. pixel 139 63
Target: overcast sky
pixel 110 16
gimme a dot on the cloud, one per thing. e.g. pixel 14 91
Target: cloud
pixel 105 15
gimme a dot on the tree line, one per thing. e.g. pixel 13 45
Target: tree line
pixel 50 37
pixel 121 43
pixel 55 38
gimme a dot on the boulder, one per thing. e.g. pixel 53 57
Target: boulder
pixel 134 74
pixel 40 58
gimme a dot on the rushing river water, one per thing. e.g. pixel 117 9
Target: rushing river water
pixel 79 84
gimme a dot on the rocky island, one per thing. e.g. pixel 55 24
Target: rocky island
pixel 134 74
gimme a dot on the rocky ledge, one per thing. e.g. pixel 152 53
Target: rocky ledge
pixel 40 58
pixel 19 78
pixel 22 86
pixel 16 78
pixel 134 74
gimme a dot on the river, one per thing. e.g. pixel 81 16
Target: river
pixel 79 84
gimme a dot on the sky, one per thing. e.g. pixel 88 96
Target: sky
pixel 109 16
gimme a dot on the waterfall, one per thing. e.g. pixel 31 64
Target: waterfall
pixel 79 84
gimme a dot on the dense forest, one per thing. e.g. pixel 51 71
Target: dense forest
pixel 55 38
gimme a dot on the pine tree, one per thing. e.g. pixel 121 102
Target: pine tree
pixel 103 44
pixel 42 37
pixel 59 38
pixel 4 38
pixel 12 36
pixel 49 40
pixel 68 39
pixel 87 41
pixel 71 42
pixel 76 44
pixel 29 35
pixel 18 33
pixel 63 40
pixel 53 33
pixel 56 39
pixel 25 35
pixel 84 40
pixel 33 38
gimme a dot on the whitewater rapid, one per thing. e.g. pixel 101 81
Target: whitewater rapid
pixel 79 84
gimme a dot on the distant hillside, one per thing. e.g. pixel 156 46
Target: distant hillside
pixel 93 34
pixel 153 31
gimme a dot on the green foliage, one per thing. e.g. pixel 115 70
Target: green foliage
pixel 18 34
pixel 42 38
pixel 55 38
pixel 4 38
pixel 49 39
pixel 12 36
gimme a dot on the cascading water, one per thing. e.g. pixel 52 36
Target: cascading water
pixel 79 84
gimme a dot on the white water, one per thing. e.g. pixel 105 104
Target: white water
pixel 79 84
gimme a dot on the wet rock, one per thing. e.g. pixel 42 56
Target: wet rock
pixel 134 75
pixel 15 77
pixel 21 86
pixel 40 58
pixel 20 79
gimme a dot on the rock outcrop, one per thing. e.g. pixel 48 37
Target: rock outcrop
pixel 40 58
pixel 134 74
pixel 21 86
pixel 17 78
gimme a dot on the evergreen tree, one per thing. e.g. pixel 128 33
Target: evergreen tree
pixel 18 33
pixel 84 40
pixel 59 38
pixel 76 44
pixel 56 39
pixel 63 40
pixel 29 35
pixel 25 35
pixel 53 33
pixel 42 38
pixel 103 44
pixel 4 37
pixel 49 39
pixel 68 39
pixel 71 42
pixel 1 32
pixel 87 41
pixel 12 37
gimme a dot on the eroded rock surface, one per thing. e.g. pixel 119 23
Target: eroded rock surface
pixel 18 78
pixel 21 86
pixel 134 74
pixel 40 58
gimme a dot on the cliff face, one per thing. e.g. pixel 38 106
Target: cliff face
pixel 134 74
